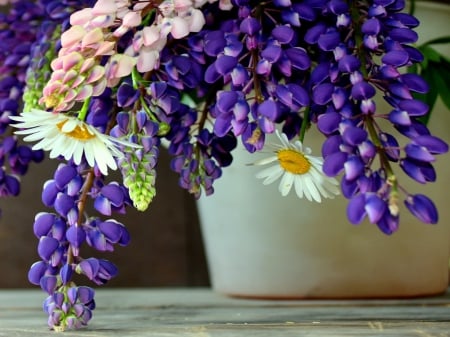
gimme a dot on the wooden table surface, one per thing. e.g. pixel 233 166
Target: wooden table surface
pixel 201 313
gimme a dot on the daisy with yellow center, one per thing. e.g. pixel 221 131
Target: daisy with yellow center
pixel 296 167
pixel 67 136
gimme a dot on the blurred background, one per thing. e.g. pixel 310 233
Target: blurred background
pixel 165 249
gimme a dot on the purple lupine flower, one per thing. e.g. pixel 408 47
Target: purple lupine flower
pixel 103 235
pixel 111 198
pixel 69 307
pixel 423 208
pixel 97 270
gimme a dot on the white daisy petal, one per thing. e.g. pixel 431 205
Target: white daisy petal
pixel 298 184
pixel 276 173
pixel 286 183
pixel 267 172
pixel 305 189
pixel 311 187
pixel 67 136
pixel 265 161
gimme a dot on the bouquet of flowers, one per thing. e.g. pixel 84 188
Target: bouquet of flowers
pixel 99 85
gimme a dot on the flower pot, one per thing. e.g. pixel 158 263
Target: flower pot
pixel 260 244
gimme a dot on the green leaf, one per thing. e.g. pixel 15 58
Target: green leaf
pixel 439 40
pixel 430 54
pixel 431 96
pixel 441 74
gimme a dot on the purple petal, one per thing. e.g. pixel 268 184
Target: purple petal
pixel 403 35
pixel 391 146
pixel 72 295
pixel 89 267
pixel 64 174
pixel 422 172
pixel 329 122
pixel 222 124
pixel 97 240
pixel 388 224
pixel 112 230
pixel 214 43
pixel 363 90
pixel 322 93
pixel 329 41
pixel 108 269
pixel 46 247
pixel 419 153
pixel 225 64
pixel 305 11
pixel 103 205
pixel 415 83
pixel 114 193
pixel 422 208
pixel 299 94
pixel 396 58
pixel 353 135
pixel 348 64
pixel 63 204
pixel 37 270
pixel 76 236
pixel 414 107
pixel 211 74
pixel 334 163
pixel 400 90
pixel 356 210
pixel 269 109
pixel 12 185
pixel 399 117
pixel 250 26
pixel 49 193
pixel 371 26
pixel 283 34
pixel 375 207
pixel 43 223
pixel 433 144
pixel 331 145
pixel 85 294
pixel 299 58
pixel 272 53
pixel 66 273
pixel 126 95
pixel 48 283
pixel 354 168
pixel 312 34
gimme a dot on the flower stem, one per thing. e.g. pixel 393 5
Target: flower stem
pixel 305 124
pixel 84 109
pixel 89 181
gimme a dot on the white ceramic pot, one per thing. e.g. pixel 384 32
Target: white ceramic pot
pixel 260 244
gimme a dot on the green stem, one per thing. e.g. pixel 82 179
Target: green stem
pixel 84 109
pixel 305 124
pixel 136 78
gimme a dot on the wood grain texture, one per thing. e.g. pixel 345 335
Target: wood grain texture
pixel 202 313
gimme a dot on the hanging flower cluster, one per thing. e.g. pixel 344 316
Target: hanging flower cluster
pixel 105 83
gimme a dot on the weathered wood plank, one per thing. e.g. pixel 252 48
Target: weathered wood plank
pixel 202 313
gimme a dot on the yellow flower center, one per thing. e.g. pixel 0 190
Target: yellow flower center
pixel 293 161
pixel 79 132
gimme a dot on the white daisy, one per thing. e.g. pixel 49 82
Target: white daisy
pixel 67 136
pixel 297 167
